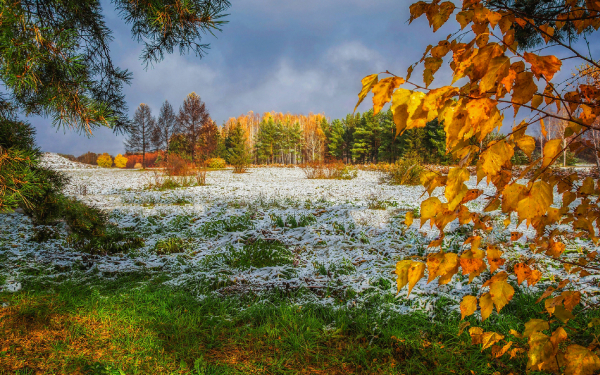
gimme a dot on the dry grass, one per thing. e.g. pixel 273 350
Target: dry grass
pixel 338 171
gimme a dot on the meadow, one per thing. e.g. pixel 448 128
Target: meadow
pixel 259 272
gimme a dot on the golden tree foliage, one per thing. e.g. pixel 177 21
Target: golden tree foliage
pixel 104 160
pixel 120 161
pixel 492 79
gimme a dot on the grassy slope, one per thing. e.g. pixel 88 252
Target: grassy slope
pixel 138 325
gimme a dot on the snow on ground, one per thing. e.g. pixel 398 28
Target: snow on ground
pixel 55 161
pixel 338 244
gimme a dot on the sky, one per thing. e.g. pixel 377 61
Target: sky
pixel 284 56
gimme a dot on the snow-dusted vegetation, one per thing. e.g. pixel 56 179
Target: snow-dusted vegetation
pixel 269 228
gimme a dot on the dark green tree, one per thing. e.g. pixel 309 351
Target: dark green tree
pixel 238 153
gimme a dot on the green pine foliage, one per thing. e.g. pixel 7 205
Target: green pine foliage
pixel 238 152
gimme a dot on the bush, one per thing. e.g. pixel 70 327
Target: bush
pixel 138 166
pixel 176 166
pixel 88 158
pixel 216 163
pixel 338 171
pixel 104 160
pixel 406 171
pixel 120 161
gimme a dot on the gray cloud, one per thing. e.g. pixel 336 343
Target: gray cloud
pixel 285 56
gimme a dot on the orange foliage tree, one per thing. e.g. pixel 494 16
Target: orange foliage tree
pixel 493 78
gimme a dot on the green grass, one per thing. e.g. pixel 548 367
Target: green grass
pixel 137 325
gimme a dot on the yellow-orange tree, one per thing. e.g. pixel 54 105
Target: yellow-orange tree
pixel 492 77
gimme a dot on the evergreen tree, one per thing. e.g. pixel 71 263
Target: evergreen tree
pixel 140 134
pixel 238 153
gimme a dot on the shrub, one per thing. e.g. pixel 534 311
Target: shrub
pixel 406 171
pixel 318 170
pixel 138 166
pixel 120 161
pixel 176 166
pixel 347 173
pixel 104 160
pixel 216 163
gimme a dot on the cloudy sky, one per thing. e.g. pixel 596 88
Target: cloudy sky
pixel 285 56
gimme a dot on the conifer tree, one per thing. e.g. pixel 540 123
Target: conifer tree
pixel 238 153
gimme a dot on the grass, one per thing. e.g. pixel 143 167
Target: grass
pixel 137 325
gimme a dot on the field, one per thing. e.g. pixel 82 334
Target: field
pixel 260 272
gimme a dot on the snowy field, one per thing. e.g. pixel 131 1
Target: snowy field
pixel 320 235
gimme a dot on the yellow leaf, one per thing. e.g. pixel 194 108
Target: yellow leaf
pixel 536 202
pixel 399 108
pixel 464 18
pixel 367 84
pixel 497 70
pixel 545 66
pixel 429 209
pixel 558 336
pixel 511 196
pixel 486 304
pixel 571 299
pixel 535 325
pixel 522 271
pixel 547 32
pixel 541 353
pixel 417 9
pixel 494 257
pixel 502 292
pixel 462 327
pixel 415 273
pixel 581 361
pixel 408 219
pixel 523 89
pixel 402 273
pixel 527 144
pixel 490 338
pixel 441 16
pixel 455 188
pixel 536 101
pixel 563 314
pixel 476 334
pixel 468 306
pixel 503 350
pixel 494 157
pixel 382 91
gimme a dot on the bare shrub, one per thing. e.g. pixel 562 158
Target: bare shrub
pixel 176 166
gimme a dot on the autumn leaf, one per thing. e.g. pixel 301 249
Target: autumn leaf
pixel 455 188
pixel 408 219
pixel 523 89
pixel 402 273
pixel 441 16
pixel 382 91
pixel 367 84
pixel 551 149
pixel 581 361
pixel 399 107
pixel 490 338
pixel 511 196
pixel 501 292
pixel 545 66
pixel 476 334
pixel 494 257
pixel 416 271
pixel 429 209
pixel 499 353
pixel 468 306
pixel 527 144
pixel 541 353
pixel 536 202
pixel 535 325
pixel 491 160
pixel 487 305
